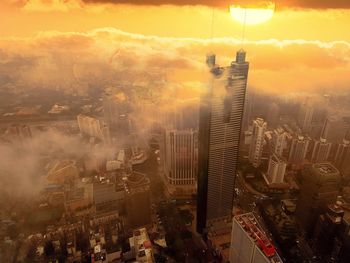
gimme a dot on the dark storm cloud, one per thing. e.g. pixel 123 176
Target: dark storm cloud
pixel 315 4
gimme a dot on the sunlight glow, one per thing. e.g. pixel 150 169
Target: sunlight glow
pixel 253 15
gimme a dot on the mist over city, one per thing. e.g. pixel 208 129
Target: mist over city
pixel 174 131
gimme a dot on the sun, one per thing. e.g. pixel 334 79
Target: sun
pixel 253 15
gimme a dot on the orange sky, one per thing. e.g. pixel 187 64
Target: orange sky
pixel 312 45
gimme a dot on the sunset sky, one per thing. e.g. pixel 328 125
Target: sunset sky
pixel 304 47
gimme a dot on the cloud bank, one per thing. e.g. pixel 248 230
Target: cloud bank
pixel 108 56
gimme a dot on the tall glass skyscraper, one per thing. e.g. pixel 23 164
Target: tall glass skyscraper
pixel 220 124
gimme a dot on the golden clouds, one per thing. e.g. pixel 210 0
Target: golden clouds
pixel 108 55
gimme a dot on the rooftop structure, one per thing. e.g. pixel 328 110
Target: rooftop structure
pixel 249 242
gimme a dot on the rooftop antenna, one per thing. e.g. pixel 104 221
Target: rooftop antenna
pixel 244 26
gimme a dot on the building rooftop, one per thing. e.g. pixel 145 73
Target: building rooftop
pixel 250 225
pixel 326 169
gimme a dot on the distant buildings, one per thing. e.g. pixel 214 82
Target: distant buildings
pixel 257 143
pixel 276 169
pixel 335 129
pixel 18 134
pixel 250 243
pixel 321 151
pixel 220 123
pixel 92 127
pixel 320 185
pixel 305 117
pixel 342 157
pixel 298 150
pixel 116 110
pixel 179 153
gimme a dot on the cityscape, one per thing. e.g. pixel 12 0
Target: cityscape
pixel 174 131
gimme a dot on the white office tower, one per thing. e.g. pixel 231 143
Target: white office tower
pixel 249 242
pixel 276 170
pixel 257 143
pixel 179 153
pixel 321 151
pixel 279 137
pixel 298 149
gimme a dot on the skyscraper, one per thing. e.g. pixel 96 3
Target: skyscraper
pixel 298 149
pixel 220 124
pixel 342 151
pixel 279 137
pixel 320 187
pixel 257 144
pixel 276 170
pixel 306 113
pixel 179 160
pixel 321 151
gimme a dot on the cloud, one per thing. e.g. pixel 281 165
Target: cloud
pixel 314 4
pixel 108 56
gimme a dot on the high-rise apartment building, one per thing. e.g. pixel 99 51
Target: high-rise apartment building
pixel 341 153
pixel 279 138
pixel 257 143
pixel 298 150
pixel 220 123
pixel 249 242
pixel 276 169
pixel 179 153
pixel 306 113
pixel 321 151
pixel 334 129
pixel 319 187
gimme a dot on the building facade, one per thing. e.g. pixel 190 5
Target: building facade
pixel 321 151
pixel 276 169
pixel 249 242
pixel 257 143
pixel 320 186
pixel 298 150
pixel 221 113
pixel 179 154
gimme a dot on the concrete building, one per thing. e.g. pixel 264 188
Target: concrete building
pixel 179 153
pixel 250 243
pixel 321 151
pixel 298 150
pixel 257 143
pixel 276 169
pixel 220 123
pixel 137 199
pixel 320 186
pixel 106 197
